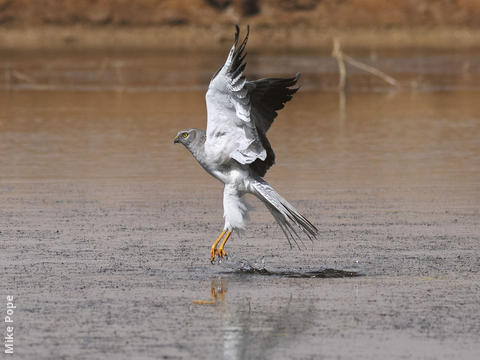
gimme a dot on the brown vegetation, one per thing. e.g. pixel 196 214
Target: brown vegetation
pixel 31 20
pixel 331 13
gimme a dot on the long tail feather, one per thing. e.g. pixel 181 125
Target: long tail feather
pixel 284 213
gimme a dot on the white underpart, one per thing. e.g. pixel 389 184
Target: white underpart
pixel 235 209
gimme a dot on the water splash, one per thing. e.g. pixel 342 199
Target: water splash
pixel 243 265
pixel 257 267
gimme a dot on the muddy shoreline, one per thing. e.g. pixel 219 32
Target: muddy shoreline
pixel 199 38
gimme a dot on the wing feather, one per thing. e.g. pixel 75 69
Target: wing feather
pixel 240 112
pixel 231 132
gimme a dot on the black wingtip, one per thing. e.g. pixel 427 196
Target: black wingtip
pixel 244 42
pixel 237 33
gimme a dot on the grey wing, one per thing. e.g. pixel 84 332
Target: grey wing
pixel 231 131
pixel 240 112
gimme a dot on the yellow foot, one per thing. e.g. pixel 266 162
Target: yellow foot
pixel 213 252
pixel 213 249
pixel 221 251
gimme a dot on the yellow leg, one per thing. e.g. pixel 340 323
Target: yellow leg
pixel 221 251
pixel 213 249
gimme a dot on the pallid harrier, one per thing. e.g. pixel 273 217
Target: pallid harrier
pixel 235 148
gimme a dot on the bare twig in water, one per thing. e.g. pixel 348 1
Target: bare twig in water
pixel 11 76
pixel 341 58
pixel 371 70
pixel 21 76
pixel 338 54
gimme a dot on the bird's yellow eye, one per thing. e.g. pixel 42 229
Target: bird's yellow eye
pixel 184 135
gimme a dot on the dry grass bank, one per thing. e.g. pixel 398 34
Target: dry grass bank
pixel 165 37
pixel 277 24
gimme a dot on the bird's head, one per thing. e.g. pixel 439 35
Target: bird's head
pixel 188 137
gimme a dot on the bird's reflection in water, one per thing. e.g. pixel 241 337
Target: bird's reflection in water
pixel 253 333
pixel 217 293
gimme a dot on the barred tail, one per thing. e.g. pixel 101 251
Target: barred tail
pixel 284 213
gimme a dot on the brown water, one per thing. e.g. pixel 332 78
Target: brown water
pixel 80 129
pixel 106 225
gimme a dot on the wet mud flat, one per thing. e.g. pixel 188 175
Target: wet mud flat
pixel 105 229
pixel 131 279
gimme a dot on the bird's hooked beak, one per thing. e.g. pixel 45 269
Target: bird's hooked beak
pixel 176 140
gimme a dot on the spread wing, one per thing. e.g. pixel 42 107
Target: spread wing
pixel 240 112
pixel 231 133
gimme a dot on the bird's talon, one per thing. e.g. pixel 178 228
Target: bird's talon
pixel 220 252
pixel 213 248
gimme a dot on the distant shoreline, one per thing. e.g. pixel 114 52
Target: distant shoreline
pixel 308 38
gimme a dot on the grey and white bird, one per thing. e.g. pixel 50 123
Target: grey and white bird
pixel 235 149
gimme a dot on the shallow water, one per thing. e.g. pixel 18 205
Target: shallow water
pixel 106 225
pixel 377 135
pixel 257 267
